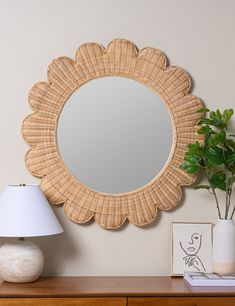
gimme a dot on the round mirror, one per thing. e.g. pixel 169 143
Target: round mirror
pixel 114 134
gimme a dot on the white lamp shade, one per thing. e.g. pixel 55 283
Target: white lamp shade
pixel 25 212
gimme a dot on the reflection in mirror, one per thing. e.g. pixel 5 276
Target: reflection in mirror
pixel 114 134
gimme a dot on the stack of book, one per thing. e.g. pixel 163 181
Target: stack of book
pixel 209 279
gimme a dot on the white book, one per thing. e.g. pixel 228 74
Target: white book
pixel 209 279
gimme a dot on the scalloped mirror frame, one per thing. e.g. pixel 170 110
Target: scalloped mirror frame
pixel 65 75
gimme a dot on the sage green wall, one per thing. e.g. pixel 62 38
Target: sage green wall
pixel 196 35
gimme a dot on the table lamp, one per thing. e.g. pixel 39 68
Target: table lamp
pixel 24 212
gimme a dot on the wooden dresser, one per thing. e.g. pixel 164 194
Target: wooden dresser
pixel 113 291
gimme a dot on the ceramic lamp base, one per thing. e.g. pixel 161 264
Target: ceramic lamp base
pixel 20 261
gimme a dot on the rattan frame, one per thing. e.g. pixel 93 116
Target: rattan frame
pixel 65 75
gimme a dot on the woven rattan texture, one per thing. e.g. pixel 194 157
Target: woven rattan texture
pixel 65 75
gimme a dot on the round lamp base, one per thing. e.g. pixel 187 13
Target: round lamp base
pixel 20 261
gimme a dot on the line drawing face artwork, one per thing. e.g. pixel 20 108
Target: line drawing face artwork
pixel 191 248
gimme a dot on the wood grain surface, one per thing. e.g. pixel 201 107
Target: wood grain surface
pixel 111 287
pixel 182 301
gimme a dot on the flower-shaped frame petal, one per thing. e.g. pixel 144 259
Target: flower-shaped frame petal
pixel 65 75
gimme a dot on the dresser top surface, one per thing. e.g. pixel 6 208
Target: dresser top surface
pixel 109 286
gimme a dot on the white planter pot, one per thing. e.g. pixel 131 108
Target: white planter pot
pixel 223 254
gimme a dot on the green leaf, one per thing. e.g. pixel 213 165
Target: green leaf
pixel 193 149
pixel 185 165
pixel 231 143
pixel 228 152
pixel 214 155
pixel 202 187
pixel 190 168
pixel 218 114
pixel 218 180
pixel 218 123
pixel 231 159
pixel 215 118
pixel 205 121
pixel 216 152
pixel 193 169
pixel 227 114
pixel 194 159
pixel 203 110
pixel 217 138
pixel 213 122
pixel 204 130
pixel 213 115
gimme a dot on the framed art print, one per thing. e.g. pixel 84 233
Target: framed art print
pixel 191 247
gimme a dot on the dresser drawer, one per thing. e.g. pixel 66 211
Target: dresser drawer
pixel 63 301
pixel 182 301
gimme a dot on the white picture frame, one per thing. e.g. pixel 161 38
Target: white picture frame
pixel 191 247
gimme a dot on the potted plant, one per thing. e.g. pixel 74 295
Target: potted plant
pixel 215 156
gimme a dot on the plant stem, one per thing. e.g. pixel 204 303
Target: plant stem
pixel 227 201
pixel 227 194
pixel 208 174
pixel 231 191
pixel 217 203
pixel 233 211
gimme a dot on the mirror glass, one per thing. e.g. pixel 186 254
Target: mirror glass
pixel 114 134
